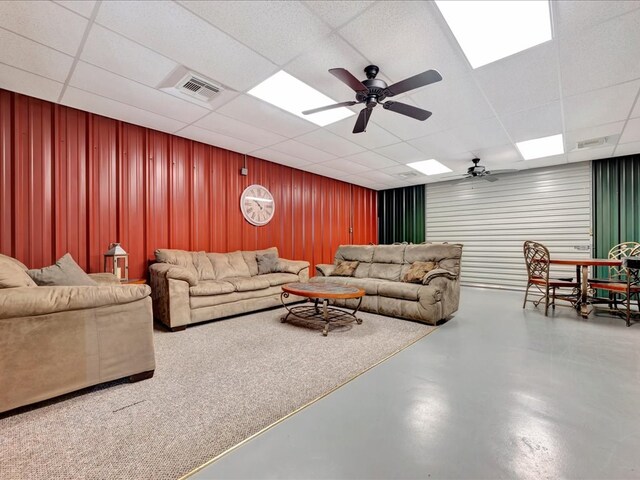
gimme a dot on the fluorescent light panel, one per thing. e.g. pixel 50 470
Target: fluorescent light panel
pixel 429 167
pixel 541 147
pixel 294 96
pixel 490 30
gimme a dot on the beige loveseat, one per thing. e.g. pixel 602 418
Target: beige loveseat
pixel 192 287
pixel 380 271
pixel 55 340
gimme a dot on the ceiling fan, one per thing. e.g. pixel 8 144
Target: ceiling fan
pixel 373 91
pixel 480 171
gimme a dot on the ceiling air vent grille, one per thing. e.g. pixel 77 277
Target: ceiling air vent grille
pixel 591 143
pixel 198 88
pixel 407 174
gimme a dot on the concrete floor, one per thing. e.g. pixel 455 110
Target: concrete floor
pixel 497 392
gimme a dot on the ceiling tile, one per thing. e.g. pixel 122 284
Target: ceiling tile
pixel 41 21
pixel 481 134
pixel 300 150
pixel 330 142
pixel 627 149
pixel 96 80
pixel 345 167
pixel 373 138
pixel 320 169
pixel 546 161
pixel 602 106
pixel 277 30
pixel 337 12
pixel 535 123
pixel 576 15
pixel 27 55
pixel 522 81
pixel 256 112
pixel 217 139
pixel 363 182
pixel 237 129
pixel 403 38
pixel 397 169
pixel 590 154
pixel 104 49
pixel 378 177
pixel 604 55
pixel 90 102
pixel 178 34
pixel 83 7
pixel 453 102
pixel 631 131
pixel 437 145
pixel 402 126
pixel 402 152
pixel 29 84
pixel 370 160
pixel 499 158
pixel 611 130
pixel 280 158
pixel 636 109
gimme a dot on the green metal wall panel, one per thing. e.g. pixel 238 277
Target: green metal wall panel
pixel 401 215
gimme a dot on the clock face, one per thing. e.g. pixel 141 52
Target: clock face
pixel 257 205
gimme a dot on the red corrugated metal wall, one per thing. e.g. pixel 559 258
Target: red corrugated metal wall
pixel 72 181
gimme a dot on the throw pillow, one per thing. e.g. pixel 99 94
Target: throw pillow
pixel 267 263
pixel 344 269
pixel 65 272
pixel 12 276
pixel 417 271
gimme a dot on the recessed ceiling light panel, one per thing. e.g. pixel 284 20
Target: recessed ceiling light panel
pixel 541 147
pixel 294 96
pixel 490 30
pixel 429 167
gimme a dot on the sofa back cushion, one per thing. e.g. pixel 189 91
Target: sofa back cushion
pixel 250 258
pixel 386 271
pixel 227 265
pixel 13 273
pixel 181 258
pixel 203 266
pixel 355 253
pixel 445 255
pixel 389 254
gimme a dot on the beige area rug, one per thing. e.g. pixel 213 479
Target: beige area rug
pixel 215 385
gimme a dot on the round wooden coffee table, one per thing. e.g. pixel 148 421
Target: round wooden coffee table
pixel 321 292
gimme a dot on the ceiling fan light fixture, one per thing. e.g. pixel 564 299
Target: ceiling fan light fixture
pixel 429 167
pixel 541 147
pixel 294 96
pixel 490 30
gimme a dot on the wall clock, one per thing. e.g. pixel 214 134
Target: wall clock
pixel 257 205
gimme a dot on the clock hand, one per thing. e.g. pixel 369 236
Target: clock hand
pixel 258 203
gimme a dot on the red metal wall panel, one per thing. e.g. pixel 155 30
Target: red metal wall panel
pixel 71 181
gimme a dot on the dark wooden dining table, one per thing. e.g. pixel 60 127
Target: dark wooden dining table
pixel 582 273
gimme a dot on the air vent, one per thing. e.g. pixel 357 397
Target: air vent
pixel 591 143
pixel 198 88
pixel 407 175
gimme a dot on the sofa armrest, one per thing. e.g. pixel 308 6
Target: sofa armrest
pixel 292 266
pixel 31 301
pixel 105 278
pixel 175 272
pixel 325 269
pixel 438 272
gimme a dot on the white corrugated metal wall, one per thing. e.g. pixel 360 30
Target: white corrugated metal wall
pixel 492 219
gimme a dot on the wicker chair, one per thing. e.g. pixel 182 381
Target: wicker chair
pixel 625 288
pixel 615 273
pixel 537 257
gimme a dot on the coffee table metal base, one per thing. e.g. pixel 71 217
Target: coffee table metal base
pixel 321 313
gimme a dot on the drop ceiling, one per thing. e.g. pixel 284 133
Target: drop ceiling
pixel 112 57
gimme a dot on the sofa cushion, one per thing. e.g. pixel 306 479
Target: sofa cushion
pixel 276 279
pixel 386 271
pixel 6 258
pixel 369 285
pixel 450 253
pixel 229 265
pixel 250 258
pixel 203 266
pixel 214 300
pixel 65 272
pixel 406 291
pixel 417 270
pixel 248 284
pixel 12 275
pixel 267 263
pixel 350 253
pixel 180 258
pixel 211 287
pixel 389 254
pixel 344 268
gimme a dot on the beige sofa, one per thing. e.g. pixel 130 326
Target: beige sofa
pixel 381 269
pixel 192 287
pixel 55 340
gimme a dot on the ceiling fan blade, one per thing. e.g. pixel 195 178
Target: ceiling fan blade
pixel 363 119
pixel 329 107
pixel 408 110
pixel 417 81
pixel 345 76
